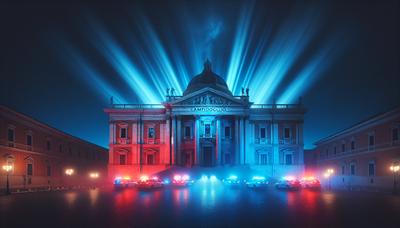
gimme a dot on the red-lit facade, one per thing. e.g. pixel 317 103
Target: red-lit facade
pixel 207 126
pixel 40 154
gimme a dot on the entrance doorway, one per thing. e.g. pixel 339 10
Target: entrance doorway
pixel 150 159
pixel 207 156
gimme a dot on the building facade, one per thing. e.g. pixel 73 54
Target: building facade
pixel 362 154
pixel 205 127
pixel 40 154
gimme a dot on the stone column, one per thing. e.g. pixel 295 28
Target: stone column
pixel 237 142
pixel 111 142
pixel 218 135
pixel 275 142
pixel 178 141
pixel 174 147
pixel 167 133
pixel 197 141
pixel 134 141
pixel 241 137
pixel 300 144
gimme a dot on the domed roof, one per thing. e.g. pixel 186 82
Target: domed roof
pixel 207 78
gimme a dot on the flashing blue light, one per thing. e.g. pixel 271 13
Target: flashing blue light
pixel 204 178
pixel 258 178
pixel 213 178
pixel 232 177
pixel 166 181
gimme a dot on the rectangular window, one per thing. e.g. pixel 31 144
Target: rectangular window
pixel 29 140
pixel 227 132
pixel 371 140
pixel 48 145
pixel 343 169
pixel 371 169
pixel 343 147
pixel 353 169
pixel 29 169
pixel 123 133
pixel 288 159
pixel 262 133
pixel 48 171
pixel 353 145
pixel 207 130
pixel 395 134
pixel 60 148
pixel 122 159
pixel 151 133
pixel 10 135
pixel 286 132
pixel 263 158
pixel 187 132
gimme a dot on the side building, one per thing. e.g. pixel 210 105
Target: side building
pixel 206 126
pixel 40 155
pixel 362 155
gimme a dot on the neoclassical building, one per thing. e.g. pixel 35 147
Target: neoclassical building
pixel 206 126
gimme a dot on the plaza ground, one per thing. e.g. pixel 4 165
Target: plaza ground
pixel 200 205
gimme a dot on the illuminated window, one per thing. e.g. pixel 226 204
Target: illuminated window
pixel 122 133
pixel 29 140
pixel 151 133
pixel 29 169
pixel 263 159
pixel 371 169
pixel 187 132
pixel 286 132
pixel 262 132
pixel 10 135
pixel 122 159
pixel 288 159
pixel 227 132
pixel 395 134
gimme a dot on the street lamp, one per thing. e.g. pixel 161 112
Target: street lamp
pixel 94 176
pixel 328 174
pixel 395 168
pixel 8 169
pixel 69 172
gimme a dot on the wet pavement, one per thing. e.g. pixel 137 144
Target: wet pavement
pixel 200 205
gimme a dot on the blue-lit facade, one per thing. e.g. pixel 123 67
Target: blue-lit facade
pixel 206 126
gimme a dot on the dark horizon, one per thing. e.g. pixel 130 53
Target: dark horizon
pixel 57 69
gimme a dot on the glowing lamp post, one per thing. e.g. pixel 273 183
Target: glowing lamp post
pixel 8 169
pixel 328 174
pixel 395 168
pixel 94 176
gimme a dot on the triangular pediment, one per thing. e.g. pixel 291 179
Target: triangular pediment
pixel 208 96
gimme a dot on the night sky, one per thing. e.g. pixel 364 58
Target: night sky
pixel 60 63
